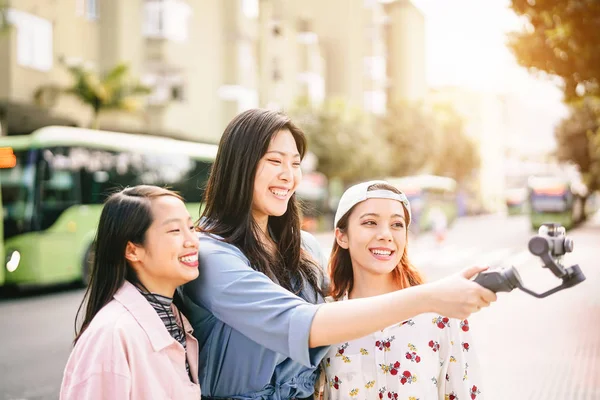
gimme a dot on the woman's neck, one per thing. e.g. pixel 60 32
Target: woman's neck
pixel 367 284
pixel 264 236
pixel 164 289
pixel 262 220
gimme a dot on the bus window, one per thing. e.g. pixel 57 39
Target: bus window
pixel 17 195
pixel 182 174
pixel 112 170
pixel 556 202
pixel 58 185
pixel 192 184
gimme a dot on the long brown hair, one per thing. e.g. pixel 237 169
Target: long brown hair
pixel 340 264
pixel 228 201
pixel 125 217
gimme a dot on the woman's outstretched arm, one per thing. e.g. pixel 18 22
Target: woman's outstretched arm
pixel 455 297
pixel 251 303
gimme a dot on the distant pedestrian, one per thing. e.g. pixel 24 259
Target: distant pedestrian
pixel 439 224
pixel 134 343
pixel 429 356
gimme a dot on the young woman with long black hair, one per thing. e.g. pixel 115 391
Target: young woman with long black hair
pixel 133 342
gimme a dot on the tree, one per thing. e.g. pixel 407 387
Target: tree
pixel 340 138
pixel 457 155
pixel 578 140
pixel 4 23
pixel 114 90
pixel 409 134
pixel 561 39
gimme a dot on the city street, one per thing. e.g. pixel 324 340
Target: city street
pixel 528 348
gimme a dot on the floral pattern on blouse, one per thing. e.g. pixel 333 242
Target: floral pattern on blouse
pixel 427 357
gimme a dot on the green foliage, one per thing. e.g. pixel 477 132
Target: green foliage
pixel 578 140
pixel 408 140
pixel 561 39
pixel 457 154
pixel 341 139
pixel 4 24
pixel 114 90
pixel 409 134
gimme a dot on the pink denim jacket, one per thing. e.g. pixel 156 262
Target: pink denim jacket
pixel 127 353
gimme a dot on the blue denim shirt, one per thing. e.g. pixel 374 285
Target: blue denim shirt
pixel 253 334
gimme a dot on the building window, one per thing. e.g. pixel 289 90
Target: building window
pixel 250 8
pixel 245 98
pixel 34 40
pixel 375 68
pixel 87 8
pixel 375 101
pixel 91 9
pixel 178 92
pixel 314 85
pixel 166 87
pixel 167 19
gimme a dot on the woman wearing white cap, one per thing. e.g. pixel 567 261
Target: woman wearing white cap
pixel 429 356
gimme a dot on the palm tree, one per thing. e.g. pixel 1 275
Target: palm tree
pixel 114 90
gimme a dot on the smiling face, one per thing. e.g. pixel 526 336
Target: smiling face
pixel 375 236
pixel 169 256
pixel 277 177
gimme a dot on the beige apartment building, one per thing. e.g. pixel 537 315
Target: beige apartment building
pixel 405 43
pixel 194 54
pixel 207 60
pixel 374 49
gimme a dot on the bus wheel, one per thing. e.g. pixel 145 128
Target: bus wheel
pixel 8 291
pixel 88 264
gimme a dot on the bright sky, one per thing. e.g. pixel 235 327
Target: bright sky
pixel 466 43
pixel 466 46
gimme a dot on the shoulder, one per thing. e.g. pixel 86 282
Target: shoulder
pixel 112 322
pixel 311 245
pixel 107 341
pixel 308 239
pixel 214 246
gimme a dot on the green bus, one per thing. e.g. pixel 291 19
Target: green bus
pixel 53 195
pixel 7 160
pixel 2 256
pixel 557 200
pixel 429 195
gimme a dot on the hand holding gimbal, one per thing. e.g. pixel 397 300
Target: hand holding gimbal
pixel 550 245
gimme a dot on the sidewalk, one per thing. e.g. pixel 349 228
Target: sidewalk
pixel 545 348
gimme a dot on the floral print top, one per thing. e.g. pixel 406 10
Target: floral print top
pixel 423 358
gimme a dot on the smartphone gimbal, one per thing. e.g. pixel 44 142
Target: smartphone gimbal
pixel 550 245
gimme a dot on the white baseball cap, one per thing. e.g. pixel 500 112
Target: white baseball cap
pixel 360 192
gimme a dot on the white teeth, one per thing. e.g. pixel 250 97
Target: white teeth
pixel 280 193
pixel 188 258
pixel 382 252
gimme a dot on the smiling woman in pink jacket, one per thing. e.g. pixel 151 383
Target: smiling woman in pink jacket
pixel 133 342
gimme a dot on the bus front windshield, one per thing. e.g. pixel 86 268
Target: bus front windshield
pixel 544 202
pixel 17 185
